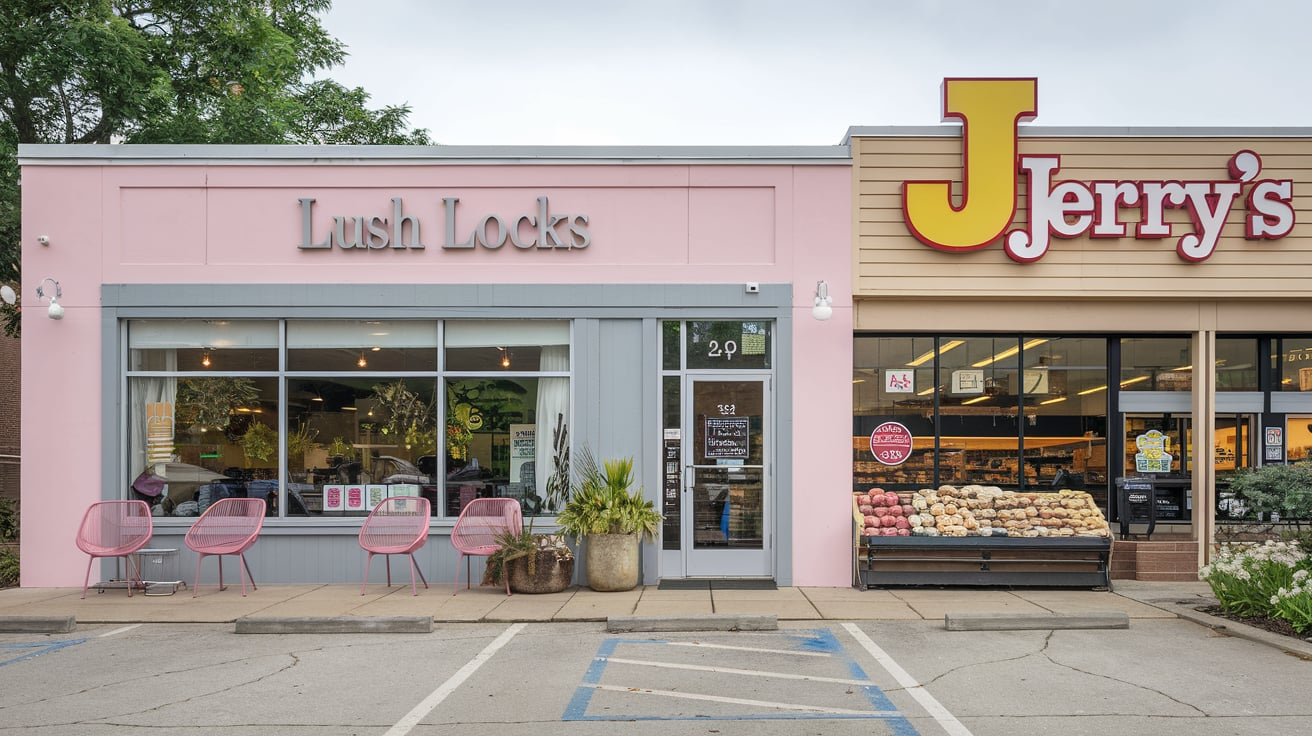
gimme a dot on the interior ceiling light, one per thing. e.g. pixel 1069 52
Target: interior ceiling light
pixel 1010 352
pixel 976 400
pixel 1133 380
pixel 1093 390
pixel 926 357
pixel 1057 400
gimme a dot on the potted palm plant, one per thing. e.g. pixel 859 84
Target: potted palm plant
pixel 607 511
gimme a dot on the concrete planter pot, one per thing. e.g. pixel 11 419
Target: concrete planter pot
pixel 612 561
pixel 549 574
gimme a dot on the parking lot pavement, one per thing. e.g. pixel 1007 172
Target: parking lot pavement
pixel 1160 676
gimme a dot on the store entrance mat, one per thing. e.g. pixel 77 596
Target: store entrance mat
pixel 717 584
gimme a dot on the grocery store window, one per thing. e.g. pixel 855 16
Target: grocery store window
pixel 1016 412
pixel 1157 363
pixel 1236 364
pixel 1295 363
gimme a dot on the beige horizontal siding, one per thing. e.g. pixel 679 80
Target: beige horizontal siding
pixel 890 263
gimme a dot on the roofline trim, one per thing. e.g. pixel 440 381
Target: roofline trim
pixel 211 155
pixel 949 130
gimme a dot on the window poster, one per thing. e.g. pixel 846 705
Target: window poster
pixel 523 451
pixel 333 498
pixel 354 495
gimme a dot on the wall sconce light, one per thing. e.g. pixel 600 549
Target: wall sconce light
pixel 505 358
pixel 362 362
pixel 205 358
pixel 56 310
pixel 8 295
pixel 823 308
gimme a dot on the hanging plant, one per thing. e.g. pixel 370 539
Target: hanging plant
pixel 211 402
pixel 259 443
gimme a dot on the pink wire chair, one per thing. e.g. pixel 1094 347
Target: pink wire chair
pixel 115 529
pixel 477 528
pixel 228 527
pixel 397 526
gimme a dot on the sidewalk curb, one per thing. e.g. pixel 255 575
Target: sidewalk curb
pixel 1290 645
pixel 708 622
pixel 1026 621
pixel 335 625
pixel 37 624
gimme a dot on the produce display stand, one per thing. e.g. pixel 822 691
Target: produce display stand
pixel 978 536
pixel 983 561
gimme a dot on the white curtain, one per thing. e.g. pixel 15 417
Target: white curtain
pixel 145 414
pixel 552 418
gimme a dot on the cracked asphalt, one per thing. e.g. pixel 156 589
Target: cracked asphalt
pixel 1160 677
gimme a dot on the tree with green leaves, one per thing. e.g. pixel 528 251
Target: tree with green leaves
pixel 171 71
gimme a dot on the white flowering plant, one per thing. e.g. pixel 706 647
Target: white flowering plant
pixel 1294 604
pixel 1247 579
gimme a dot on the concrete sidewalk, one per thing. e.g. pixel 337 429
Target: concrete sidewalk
pixel 1137 600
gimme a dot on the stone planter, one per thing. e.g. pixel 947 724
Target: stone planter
pixel 549 574
pixel 612 561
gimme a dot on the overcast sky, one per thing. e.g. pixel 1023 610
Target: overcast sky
pixel 768 72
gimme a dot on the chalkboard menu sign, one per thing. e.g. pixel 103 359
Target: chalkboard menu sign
pixel 726 437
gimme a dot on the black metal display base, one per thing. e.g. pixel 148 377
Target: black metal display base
pixel 1083 562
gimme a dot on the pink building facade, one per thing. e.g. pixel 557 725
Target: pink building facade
pixel 323 327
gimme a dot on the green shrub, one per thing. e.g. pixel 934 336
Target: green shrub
pixel 8 520
pixel 1280 489
pixel 8 568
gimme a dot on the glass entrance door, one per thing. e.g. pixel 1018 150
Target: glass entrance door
pixel 727 519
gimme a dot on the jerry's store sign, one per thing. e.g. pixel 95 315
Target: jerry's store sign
pixel 993 172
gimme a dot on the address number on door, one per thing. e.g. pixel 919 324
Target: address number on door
pixel 724 350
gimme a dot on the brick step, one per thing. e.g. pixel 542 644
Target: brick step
pixel 1174 560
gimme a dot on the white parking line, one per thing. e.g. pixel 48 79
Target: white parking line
pixel 434 699
pixel 119 630
pixel 732 671
pixel 789 652
pixel 744 701
pixel 931 705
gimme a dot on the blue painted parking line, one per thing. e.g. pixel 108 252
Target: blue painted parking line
pixel 818 642
pixel 36 649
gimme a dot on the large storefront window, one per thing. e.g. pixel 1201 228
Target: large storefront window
pixel 359 403
pixel 1295 363
pixel 1014 412
pixel 1157 363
